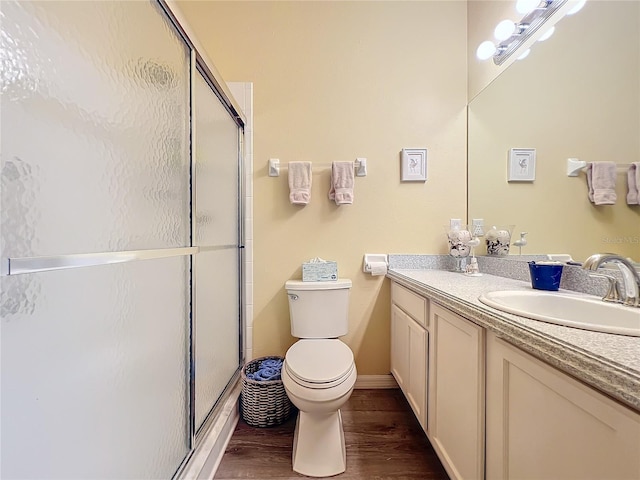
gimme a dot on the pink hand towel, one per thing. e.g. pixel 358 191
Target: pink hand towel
pixel 601 180
pixel 341 189
pixel 299 182
pixel 633 184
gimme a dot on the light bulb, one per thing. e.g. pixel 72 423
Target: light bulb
pixel 524 54
pixel 547 34
pixel 577 8
pixel 486 50
pixel 525 6
pixel 504 29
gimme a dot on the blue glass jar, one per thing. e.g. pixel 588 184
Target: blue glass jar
pixel 545 275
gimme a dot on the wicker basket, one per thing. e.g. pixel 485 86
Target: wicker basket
pixel 263 403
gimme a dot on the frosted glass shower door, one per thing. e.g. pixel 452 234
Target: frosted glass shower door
pixel 217 233
pixel 95 164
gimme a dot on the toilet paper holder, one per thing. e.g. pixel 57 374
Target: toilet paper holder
pixel 370 258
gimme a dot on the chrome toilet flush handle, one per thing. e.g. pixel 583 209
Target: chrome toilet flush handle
pixel 293 296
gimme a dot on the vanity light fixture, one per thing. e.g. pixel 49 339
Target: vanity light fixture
pixel 525 6
pixel 577 8
pixel 486 50
pixel 504 30
pixel 529 24
pixel 547 34
pixel 512 35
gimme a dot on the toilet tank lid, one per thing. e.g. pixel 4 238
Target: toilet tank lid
pixel 332 285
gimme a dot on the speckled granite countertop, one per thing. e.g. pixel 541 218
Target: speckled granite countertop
pixel 608 362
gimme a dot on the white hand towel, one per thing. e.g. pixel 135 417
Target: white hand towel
pixel 633 184
pixel 601 180
pixel 341 189
pixel 299 182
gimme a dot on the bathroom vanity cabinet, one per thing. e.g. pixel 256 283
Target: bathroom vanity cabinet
pixel 435 350
pixel 540 422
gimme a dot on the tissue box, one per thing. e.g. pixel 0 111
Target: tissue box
pixel 319 271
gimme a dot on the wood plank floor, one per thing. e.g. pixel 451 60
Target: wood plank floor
pixel 384 441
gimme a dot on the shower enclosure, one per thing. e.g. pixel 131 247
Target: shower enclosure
pixel 121 241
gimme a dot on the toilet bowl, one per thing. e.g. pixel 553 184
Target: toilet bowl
pixel 318 376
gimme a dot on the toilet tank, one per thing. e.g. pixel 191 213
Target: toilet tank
pixel 319 309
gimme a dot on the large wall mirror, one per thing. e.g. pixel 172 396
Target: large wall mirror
pixel 576 95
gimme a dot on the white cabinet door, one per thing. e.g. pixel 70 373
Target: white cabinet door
pixel 400 347
pixel 409 361
pixel 542 423
pixel 456 393
pixel 417 390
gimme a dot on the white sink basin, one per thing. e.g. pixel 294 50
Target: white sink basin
pixel 571 310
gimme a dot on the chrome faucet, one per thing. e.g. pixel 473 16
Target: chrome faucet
pixel 630 293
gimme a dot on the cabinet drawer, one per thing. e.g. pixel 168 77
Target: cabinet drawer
pixel 411 303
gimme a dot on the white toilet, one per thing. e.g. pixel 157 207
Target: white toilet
pixel 318 374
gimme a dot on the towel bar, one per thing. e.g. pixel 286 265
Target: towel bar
pixel 360 165
pixel 575 166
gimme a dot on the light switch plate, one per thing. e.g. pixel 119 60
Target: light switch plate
pixel 477 227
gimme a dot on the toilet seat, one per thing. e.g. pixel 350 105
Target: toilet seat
pixel 319 363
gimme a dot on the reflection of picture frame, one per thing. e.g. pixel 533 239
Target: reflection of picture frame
pixel 414 165
pixel 521 165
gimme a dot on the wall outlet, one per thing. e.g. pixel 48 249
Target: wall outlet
pixel 455 223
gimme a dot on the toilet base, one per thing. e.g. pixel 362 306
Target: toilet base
pixel 318 444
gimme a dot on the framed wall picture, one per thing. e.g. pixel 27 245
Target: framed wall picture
pixel 414 165
pixel 521 165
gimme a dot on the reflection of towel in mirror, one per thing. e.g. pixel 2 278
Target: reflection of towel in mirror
pixel 341 188
pixel 299 182
pixel 633 184
pixel 601 180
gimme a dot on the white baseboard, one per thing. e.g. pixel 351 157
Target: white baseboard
pixel 206 459
pixel 376 381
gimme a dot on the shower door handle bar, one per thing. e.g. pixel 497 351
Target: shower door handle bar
pixel 218 247
pixel 18 266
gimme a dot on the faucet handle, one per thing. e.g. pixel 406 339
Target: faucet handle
pixel 613 292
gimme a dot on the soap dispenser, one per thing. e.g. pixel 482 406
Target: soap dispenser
pixel 472 268
pixel 520 243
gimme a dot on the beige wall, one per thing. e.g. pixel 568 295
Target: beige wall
pixel 336 81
